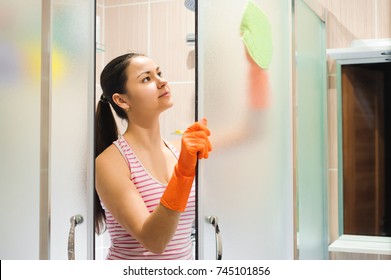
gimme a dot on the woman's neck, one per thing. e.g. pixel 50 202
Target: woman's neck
pixel 144 135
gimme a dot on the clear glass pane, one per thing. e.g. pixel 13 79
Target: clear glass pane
pixel 311 133
pixel 20 80
pixel 248 180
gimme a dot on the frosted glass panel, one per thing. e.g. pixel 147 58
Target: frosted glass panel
pixel 311 134
pixel 248 180
pixel 20 73
pixel 72 112
pixel 27 141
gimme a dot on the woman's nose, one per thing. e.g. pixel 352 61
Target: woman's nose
pixel 161 82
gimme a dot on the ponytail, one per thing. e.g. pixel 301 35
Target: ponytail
pixel 113 80
pixel 106 132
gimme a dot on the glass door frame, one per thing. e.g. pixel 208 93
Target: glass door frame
pixel 45 215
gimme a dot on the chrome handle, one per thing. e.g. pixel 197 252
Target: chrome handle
pixel 75 220
pixel 190 39
pixel 219 243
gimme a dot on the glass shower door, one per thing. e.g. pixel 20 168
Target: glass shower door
pixel 71 127
pixel 46 110
pixel 20 45
pixel 247 182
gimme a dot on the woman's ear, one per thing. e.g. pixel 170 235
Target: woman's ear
pixel 121 101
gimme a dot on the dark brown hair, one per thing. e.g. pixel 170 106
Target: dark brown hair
pixel 112 80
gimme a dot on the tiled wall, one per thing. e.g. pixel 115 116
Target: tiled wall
pixel 348 20
pixel 156 28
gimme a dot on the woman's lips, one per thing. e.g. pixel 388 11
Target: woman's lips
pixel 165 94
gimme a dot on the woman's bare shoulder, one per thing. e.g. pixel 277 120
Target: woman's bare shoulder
pixel 111 158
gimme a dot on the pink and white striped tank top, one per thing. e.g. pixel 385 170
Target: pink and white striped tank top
pixel 125 246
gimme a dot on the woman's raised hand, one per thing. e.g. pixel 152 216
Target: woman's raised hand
pixel 195 145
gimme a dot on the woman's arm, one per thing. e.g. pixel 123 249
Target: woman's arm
pixel 118 193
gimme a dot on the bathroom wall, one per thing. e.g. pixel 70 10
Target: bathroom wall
pixel 156 28
pixel 346 21
pixel 357 19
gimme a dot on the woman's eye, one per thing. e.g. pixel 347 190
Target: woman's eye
pixel 146 79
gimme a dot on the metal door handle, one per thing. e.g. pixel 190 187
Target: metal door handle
pixel 219 243
pixel 75 220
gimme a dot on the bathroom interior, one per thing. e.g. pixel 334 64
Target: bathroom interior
pixel 299 169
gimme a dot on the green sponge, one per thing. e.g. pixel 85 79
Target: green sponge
pixel 256 34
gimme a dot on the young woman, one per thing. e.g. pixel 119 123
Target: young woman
pixel 145 192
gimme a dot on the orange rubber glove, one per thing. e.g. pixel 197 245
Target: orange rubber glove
pixel 195 144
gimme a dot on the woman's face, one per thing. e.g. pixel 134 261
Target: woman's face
pixel 148 91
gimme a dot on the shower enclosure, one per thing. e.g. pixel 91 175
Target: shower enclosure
pixel 260 194
pixel 46 105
